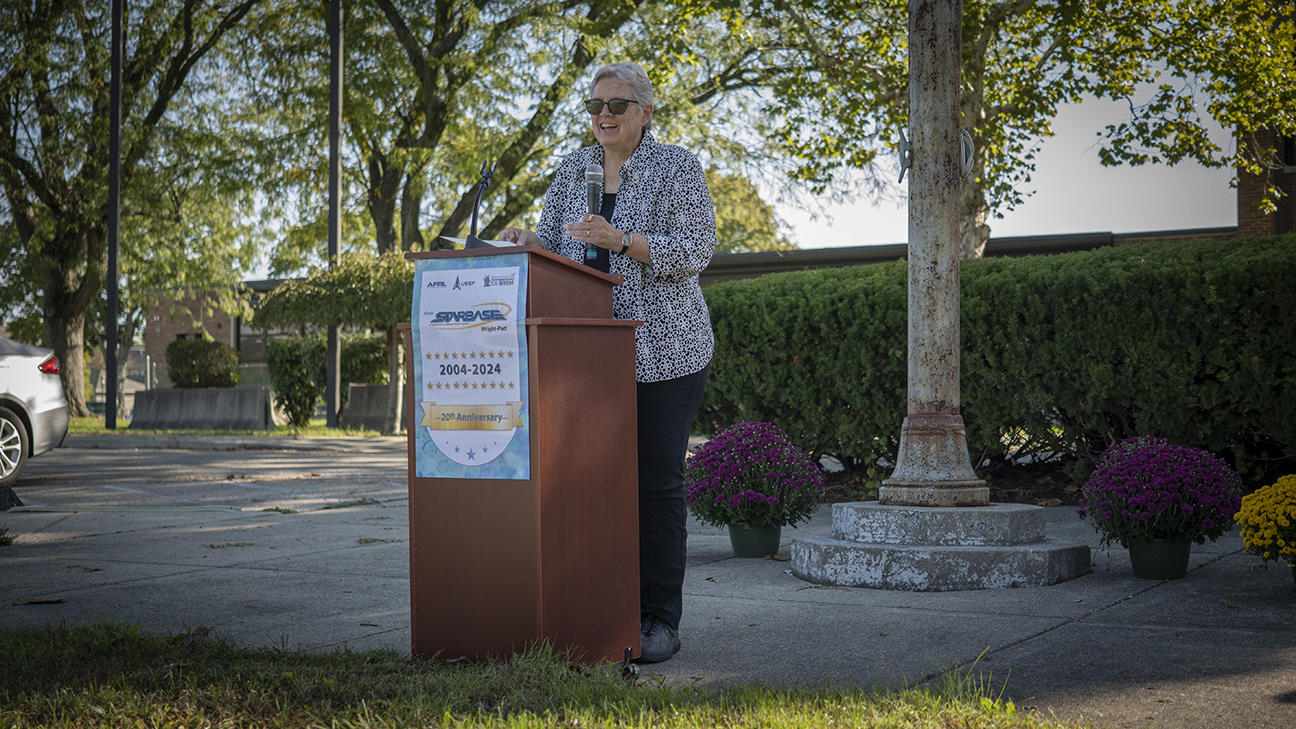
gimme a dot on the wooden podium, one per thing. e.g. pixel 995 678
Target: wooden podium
pixel 499 565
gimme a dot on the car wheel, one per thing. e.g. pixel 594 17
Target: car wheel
pixel 13 447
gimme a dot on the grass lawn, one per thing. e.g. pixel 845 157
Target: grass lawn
pixel 110 675
pixel 95 426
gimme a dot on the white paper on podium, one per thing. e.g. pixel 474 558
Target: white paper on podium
pixel 496 243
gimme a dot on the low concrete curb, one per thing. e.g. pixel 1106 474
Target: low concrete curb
pixel 128 441
pixel 204 408
pixel 366 407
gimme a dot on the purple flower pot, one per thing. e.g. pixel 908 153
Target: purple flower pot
pixel 754 541
pixel 1159 559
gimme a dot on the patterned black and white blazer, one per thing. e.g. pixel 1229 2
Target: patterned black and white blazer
pixel 663 196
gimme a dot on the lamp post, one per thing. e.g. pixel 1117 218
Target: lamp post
pixel 933 468
pixel 333 356
pixel 914 537
pixel 114 214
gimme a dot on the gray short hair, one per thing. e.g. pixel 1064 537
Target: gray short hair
pixel 632 74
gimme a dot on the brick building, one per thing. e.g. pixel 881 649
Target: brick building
pixel 1250 188
pixel 186 318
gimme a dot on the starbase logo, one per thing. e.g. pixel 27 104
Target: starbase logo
pixel 475 316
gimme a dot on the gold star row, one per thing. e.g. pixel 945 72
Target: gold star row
pixel 502 354
pixel 470 386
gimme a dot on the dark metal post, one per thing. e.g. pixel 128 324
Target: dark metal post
pixel 114 213
pixel 933 468
pixel 333 366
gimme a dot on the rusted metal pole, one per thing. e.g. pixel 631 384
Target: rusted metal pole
pixel 933 468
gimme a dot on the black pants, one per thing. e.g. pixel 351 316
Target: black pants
pixel 666 411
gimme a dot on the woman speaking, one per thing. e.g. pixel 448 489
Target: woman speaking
pixel 655 227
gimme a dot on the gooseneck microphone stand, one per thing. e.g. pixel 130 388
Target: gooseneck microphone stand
pixel 487 169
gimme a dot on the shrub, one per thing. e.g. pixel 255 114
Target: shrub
pixel 1065 354
pixel 364 359
pixel 297 369
pixel 201 363
pixel 821 354
pixel 1187 341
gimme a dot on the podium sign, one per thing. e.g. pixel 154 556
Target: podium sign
pixel 470 368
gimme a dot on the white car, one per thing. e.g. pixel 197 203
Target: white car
pixel 33 411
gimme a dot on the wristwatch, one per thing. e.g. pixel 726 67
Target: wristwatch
pixel 625 243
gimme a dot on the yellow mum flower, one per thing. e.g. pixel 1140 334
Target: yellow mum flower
pixel 1268 520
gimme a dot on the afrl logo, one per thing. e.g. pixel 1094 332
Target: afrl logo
pixel 437 285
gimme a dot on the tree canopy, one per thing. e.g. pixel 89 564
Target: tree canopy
pixel 224 117
pixel 429 96
pixel 185 191
pixel 359 290
pixel 745 223
pixel 835 74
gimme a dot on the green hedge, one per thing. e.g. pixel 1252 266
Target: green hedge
pixel 1194 342
pixel 201 363
pixel 297 369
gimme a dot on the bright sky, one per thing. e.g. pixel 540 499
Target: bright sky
pixel 1074 193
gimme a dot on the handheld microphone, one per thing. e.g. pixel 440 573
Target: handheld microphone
pixel 593 189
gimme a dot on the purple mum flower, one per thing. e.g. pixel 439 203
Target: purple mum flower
pixel 1160 491
pixel 755 475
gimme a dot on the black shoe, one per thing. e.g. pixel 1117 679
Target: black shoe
pixel 658 641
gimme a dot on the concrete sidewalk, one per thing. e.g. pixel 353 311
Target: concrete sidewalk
pixel 1216 649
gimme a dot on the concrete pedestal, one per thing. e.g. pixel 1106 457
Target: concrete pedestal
pixel 936 549
pixel 933 468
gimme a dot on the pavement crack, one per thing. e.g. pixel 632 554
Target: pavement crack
pixel 1079 618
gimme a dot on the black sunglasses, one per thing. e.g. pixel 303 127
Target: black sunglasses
pixel 616 106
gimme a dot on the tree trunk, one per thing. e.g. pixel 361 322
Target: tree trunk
pixel 411 202
pixel 395 382
pixel 973 210
pixel 69 266
pixel 520 151
pixel 516 201
pixel 65 334
pixel 125 337
pixel 73 276
pixel 384 187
